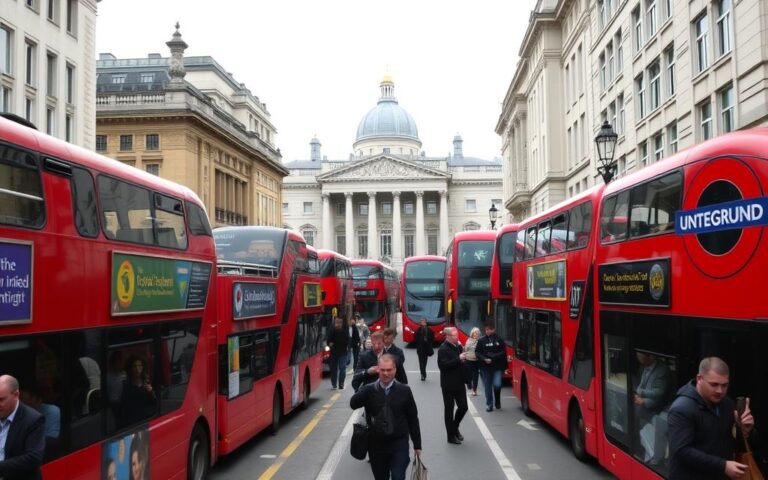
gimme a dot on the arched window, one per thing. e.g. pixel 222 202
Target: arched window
pixel 309 232
pixel 469 226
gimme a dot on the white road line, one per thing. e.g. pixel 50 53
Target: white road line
pixel 504 463
pixel 339 448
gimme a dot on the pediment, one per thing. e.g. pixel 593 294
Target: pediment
pixel 382 167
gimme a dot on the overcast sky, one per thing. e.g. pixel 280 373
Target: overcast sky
pixel 317 64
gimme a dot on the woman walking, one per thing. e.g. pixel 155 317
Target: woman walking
pixel 474 367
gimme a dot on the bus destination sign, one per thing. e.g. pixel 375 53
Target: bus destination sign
pixel 143 284
pixel 15 282
pixel 253 300
pixel 635 283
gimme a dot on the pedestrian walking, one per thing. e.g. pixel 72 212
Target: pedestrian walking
pixel 474 367
pixel 367 370
pixel 492 353
pixel 450 361
pixel 701 423
pixel 364 332
pixel 22 434
pixel 392 349
pixel 338 342
pixel 392 416
pixel 354 343
pixel 425 339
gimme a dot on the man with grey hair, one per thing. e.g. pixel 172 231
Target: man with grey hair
pixel 450 361
pixel 22 442
pixel 701 421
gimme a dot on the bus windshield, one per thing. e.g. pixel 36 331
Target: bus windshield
pixel 326 267
pixel 363 272
pixel 507 248
pixel 370 311
pixel 424 288
pixel 254 246
pixel 475 253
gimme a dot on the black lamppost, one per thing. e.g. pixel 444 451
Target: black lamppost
pixel 493 214
pixel 606 147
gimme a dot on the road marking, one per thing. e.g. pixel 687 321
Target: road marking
pixel 504 463
pixel 269 456
pixel 527 425
pixel 291 448
pixel 533 466
pixel 339 448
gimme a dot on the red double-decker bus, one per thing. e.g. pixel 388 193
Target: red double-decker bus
pixel 502 308
pixel 468 280
pixel 376 293
pixel 552 368
pixel 107 309
pixel 422 295
pixel 338 294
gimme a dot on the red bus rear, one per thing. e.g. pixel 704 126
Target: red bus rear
pixel 107 312
pixel 270 337
pixel 338 294
pixel 376 293
pixel 422 295
pixel 502 308
pixel 468 280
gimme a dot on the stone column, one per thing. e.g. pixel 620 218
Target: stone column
pixel 349 226
pixel 397 253
pixel 373 240
pixel 326 222
pixel 420 237
pixel 443 222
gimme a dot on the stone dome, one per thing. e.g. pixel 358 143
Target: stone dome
pixel 387 118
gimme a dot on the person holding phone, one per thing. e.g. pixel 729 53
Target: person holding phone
pixel 137 401
pixel 701 422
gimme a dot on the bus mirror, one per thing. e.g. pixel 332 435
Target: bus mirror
pixel 450 305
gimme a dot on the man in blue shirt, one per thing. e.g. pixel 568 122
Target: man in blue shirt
pixel 22 430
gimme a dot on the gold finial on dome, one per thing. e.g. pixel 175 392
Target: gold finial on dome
pixel 387 79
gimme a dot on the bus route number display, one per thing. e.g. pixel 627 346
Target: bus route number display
pixel 635 283
pixel 15 282
pixel 143 284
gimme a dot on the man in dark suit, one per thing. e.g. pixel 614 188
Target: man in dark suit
pixel 450 361
pixel 367 368
pixel 392 349
pixel 22 442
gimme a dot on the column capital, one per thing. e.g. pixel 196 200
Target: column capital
pixel 443 193
pixel 325 195
pixel 372 195
pixel 419 193
pixel 396 193
pixel 348 194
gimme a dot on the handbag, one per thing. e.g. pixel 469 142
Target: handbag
pixel 748 458
pixel 418 469
pixel 358 446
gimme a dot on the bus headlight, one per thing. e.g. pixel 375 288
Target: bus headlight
pixel 327 348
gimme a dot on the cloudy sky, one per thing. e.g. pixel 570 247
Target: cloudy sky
pixel 317 64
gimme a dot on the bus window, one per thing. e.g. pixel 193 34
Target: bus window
pixel 126 210
pixel 21 192
pixel 85 212
pixel 613 222
pixel 559 233
pixel 542 239
pixel 654 205
pixel 579 226
pixel 198 220
pixel 520 252
pixel 530 242
pixel 178 342
pixel 169 220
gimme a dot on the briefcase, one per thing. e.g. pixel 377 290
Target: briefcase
pixel 358 446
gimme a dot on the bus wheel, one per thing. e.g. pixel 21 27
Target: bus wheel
pixel 277 412
pixel 526 406
pixel 576 434
pixel 305 400
pixel 198 459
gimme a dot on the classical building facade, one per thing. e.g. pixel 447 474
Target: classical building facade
pixel 389 200
pixel 188 120
pixel 666 74
pixel 47 67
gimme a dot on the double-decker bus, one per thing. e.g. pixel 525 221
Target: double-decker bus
pixel 376 293
pixel 270 329
pixel 502 308
pixel 422 295
pixel 552 371
pixel 679 275
pixel 107 308
pixel 468 280
pixel 338 294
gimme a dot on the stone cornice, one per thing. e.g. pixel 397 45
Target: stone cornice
pixel 383 167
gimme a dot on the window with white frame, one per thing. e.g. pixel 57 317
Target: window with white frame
pixel 669 62
pixel 362 245
pixel 50 74
pixel 723 9
pixel 386 208
pixel 658 147
pixel 668 8
pixel 602 14
pixel 621 123
pixel 29 109
pixel 726 109
pixel 619 51
pixel 118 79
pixel 341 244
pixel 5 99
pixel 341 209
pixel 621 166
pixel 612 114
pixel 471 226
pixel 701 29
pixel 579 74
pixel 408 243
pixel 568 86
pixel 672 138
pixel 651 17
pixel 147 77
pixel 470 206
pixel 285 208
pixel 70 86
pixel 309 236
pixel 431 243
pixel 603 78
pixel 385 239
pixel 642 150
pixel 654 76
pixel 30 71
pixel 69 127
pixel 362 209
pixel 50 121
pixel 5 49
pixel 308 208
pixel 640 93
pixel 609 61
pixel 705 119
pixel 408 208
pixel 431 208
pixel 637 22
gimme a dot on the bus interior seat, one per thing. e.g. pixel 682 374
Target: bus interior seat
pixel 93 400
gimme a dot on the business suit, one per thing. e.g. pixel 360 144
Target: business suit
pixel 453 385
pixel 367 359
pixel 425 337
pixel 24 446
pixel 398 353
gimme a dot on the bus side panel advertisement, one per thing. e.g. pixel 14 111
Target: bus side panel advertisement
pixel 547 280
pixel 233 366
pixel 126 452
pixel 144 284
pixel 312 297
pixel 15 282
pixel 635 283
pixel 253 300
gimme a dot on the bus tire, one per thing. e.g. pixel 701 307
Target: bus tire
pixel 577 434
pixel 277 411
pixel 307 391
pixel 524 402
pixel 198 456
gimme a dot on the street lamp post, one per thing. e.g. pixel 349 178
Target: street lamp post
pixel 606 147
pixel 493 214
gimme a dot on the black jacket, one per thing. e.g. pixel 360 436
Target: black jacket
pixel 700 437
pixel 404 411
pixel 24 446
pixel 400 375
pixel 452 370
pixel 366 360
pixel 425 339
pixel 492 347
pixel 338 340
pixel 354 340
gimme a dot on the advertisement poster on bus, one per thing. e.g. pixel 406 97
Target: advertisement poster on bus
pixel 312 297
pixel 546 281
pixel 15 282
pixel 635 283
pixel 253 300
pixel 233 366
pixel 144 284
pixel 126 457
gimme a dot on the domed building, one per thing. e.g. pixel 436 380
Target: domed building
pixel 389 200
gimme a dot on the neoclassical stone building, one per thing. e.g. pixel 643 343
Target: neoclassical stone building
pixel 389 200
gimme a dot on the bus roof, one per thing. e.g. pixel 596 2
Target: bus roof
pixel 593 193
pixel 323 253
pixel 510 227
pixel 424 258
pixel 474 235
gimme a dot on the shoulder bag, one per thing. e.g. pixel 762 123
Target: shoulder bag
pixel 358 446
pixel 418 469
pixel 748 458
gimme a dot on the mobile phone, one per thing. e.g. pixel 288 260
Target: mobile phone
pixel 741 405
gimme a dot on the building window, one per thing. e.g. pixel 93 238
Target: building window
pixel 50 120
pixel 651 17
pixel 153 141
pixel 70 84
pixel 68 128
pixel 654 74
pixel 341 244
pixel 431 244
pixel 609 61
pixel 53 11
pixel 602 15
pixel 29 109
pixel 101 143
pixel 408 243
pixel 147 77
pixel 726 109
pixel 622 114
pixel 669 60
pixel 5 99
pixel 640 89
pixel 701 25
pixel 308 210
pixel 341 209
pixel 705 120
pixel 643 152
pixel 658 147
pixel 362 209
pixel 118 79
pixel 386 150
pixel 31 54
pixel 285 208
pixel 619 51
pixel 723 27
pixel 72 16
pixel 431 208
pixel 386 208
pixel 309 237
pixel 408 208
pixel 5 49
pixel 470 206
pixel 386 243
pixel 668 8
pixel 603 78
pixel 126 143
pixel 672 138
pixel 362 245
pixel 50 74
pixel 637 22
pixel 621 167
pixel 153 168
